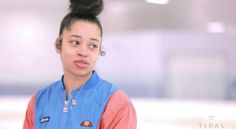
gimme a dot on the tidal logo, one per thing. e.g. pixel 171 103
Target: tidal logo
pixel 211 124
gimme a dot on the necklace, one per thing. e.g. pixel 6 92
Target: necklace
pixel 74 100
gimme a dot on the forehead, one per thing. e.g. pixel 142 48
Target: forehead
pixel 83 28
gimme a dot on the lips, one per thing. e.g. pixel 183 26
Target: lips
pixel 81 64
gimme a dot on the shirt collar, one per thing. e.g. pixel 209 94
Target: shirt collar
pixel 91 82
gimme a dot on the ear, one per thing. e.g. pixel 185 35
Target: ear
pixel 58 45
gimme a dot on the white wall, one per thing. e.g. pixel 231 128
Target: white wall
pixel 138 50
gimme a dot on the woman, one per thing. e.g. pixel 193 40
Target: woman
pixel 81 99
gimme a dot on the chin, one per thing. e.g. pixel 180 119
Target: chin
pixel 83 72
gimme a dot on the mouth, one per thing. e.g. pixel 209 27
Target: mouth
pixel 81 64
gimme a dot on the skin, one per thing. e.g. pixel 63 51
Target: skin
pixel 79 52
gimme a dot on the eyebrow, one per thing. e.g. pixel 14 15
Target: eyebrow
pixel 77 36
pixel 94 39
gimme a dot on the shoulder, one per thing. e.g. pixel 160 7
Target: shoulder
pixel 47 90
pixel 119 112
pixel 117 95
pixel 119 99
pixel 108 86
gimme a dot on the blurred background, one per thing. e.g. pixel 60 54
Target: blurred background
pixel 174 58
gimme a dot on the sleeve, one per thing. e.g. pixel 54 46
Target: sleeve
pixel 29 116
pixel 119 113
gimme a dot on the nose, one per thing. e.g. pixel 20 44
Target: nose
pixel 82 51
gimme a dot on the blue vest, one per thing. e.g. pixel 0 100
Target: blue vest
pixel 86 114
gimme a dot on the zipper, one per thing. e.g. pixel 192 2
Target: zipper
pixel 65 112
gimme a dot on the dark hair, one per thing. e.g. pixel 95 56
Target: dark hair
pixel 85 10
pixel 72 17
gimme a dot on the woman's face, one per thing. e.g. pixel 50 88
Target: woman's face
pixel 80 48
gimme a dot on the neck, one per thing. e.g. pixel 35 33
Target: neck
pixel 72 82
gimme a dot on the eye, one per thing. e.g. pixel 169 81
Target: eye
pixel 75 43
pixel 93 46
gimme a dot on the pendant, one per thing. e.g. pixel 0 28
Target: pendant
pixel 74 102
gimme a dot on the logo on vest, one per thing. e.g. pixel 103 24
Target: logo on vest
pixel 44 119
pixel 86 123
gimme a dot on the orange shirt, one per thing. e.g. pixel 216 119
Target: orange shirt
pixel 119 113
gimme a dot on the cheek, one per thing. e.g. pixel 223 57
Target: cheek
pixel 66 54
pixel 94 59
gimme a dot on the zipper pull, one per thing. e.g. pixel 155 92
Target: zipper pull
pixel 65 108
pixel 74 102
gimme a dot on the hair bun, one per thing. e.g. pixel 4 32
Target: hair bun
pixel 86 7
